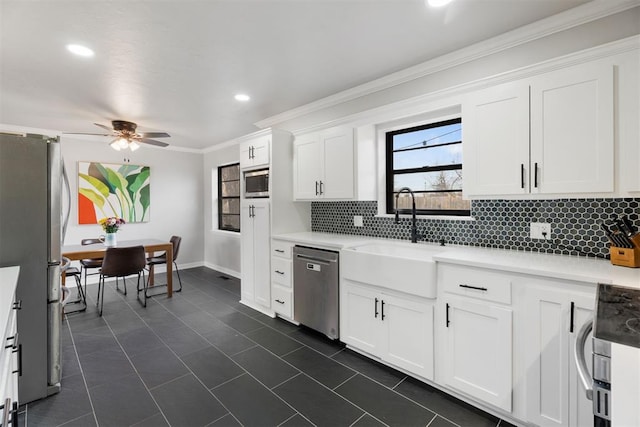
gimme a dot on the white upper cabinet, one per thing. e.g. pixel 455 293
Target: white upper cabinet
pixel 324 165
pixel 255 152
pixel 551 134
pixel 572 132
pixel 496 140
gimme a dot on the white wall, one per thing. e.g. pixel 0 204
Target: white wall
pixel 221 248
pixel 176 195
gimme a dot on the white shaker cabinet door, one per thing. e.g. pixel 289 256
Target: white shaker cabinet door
pixel 338 180
pixel 408 329
pixel 308 166
pixel 572 131
pixel 360 317
pixel 478 350
pixel 262 252
pixel 554 394
pixel 496 141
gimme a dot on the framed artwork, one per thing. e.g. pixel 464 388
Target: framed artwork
pixel 108 190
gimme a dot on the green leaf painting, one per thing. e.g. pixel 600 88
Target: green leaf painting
pixel 108 190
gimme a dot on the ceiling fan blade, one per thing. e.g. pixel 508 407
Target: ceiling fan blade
pixel 104 127
pixel 154 135
pixel 83 133
pixel 152 142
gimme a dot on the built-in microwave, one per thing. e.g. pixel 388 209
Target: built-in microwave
pixel 256 183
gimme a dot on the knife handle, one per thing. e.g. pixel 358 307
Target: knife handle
pixel 628 225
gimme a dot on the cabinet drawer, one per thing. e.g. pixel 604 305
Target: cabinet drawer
pixel 281 299
pixel 281 249
pixel 281 271
pixel 473 282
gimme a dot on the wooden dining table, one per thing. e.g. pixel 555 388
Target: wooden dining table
pixel 78 252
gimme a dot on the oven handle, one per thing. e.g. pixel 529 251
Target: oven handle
pixel 579 356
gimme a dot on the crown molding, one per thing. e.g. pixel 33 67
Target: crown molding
pixel 447 97
pixel 571 18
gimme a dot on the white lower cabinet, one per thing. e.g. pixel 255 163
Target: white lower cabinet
pixel 554 314
pixel 11 348
pixel 394 327
pixel 475 322
pixel 255 240
pixel 477 356
pixel 282 278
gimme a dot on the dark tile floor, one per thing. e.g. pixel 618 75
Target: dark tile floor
pixel 203 359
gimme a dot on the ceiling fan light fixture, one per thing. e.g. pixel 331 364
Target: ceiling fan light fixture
pixel 133 146
pixel 123 143
pixel 438 3
pixel 80 50
pixel 115 144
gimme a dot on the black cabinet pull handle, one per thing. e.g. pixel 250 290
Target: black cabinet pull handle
pixel 477 288
pixel 279 251
pixel 375 308
pixel 535 175
pixel 447 316
pixel 382 311
pixel 15 341
pixel 321 188
pixel 279 302
pixel 19 370
pixel 17 305
pixel 521 175
pixel 573 306
pixel 279 272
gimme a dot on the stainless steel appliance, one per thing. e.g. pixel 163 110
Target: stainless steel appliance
pixel 30 236
pixel 316 290
pixel 617 320
pixel 256 183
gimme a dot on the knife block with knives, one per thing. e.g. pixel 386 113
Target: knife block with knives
pixel 625 242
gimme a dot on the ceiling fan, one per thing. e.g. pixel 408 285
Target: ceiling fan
pixel 126 136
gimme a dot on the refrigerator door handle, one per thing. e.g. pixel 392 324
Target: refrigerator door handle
pixel 54 160
pixel 580 358
pixel 53 272
pixel 67 212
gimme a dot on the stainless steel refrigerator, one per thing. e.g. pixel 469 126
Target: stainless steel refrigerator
pixel 30 236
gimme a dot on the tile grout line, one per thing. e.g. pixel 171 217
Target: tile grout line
pixel 84 379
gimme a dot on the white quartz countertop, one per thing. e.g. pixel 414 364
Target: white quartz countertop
pixel 325 240
pixel 581 269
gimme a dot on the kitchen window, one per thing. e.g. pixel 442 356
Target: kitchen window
pixel 229 197
pixel 428 160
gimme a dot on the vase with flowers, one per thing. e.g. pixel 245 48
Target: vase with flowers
pixel 110 226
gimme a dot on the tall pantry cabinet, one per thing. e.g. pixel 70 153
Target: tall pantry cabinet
pixel 262 217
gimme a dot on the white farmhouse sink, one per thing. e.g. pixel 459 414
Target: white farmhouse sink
pixel 404 267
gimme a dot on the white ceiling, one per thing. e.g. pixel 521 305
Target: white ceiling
pixel 175 66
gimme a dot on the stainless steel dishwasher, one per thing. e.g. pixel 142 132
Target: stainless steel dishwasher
pixel 315 289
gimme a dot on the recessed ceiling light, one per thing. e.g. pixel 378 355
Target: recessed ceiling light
pixel 438 3
pixel 242 97
pixel 80 50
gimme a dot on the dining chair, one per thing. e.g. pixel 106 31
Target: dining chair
pixel 68 271
pixel 90 263
pixel 121 262
pixel 158 260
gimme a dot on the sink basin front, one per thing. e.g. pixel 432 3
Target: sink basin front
pixel 403 267
pixel 418 252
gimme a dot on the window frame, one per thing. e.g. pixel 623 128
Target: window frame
pixel 221 198
pixel 390 172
